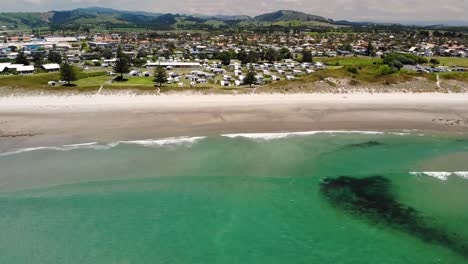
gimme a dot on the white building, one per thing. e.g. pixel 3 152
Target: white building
pixel 173 64
pixel 52 67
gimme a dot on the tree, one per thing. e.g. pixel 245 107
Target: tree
pixel 370 49
pixel 347 47
pixel 307 56
pixel 138 62
pixel 271 55
pixel 142 54
pixel 171 47
pixel 54 57
pixel 121 67
pixel 120 53
pixel 107 53
pixel 252 57
pixel 285 54
pixel 242 56
pixel 38 59
pixel 225 57
pixel 160 76
pixel 21 59
pixel 68 73
pixel 250 78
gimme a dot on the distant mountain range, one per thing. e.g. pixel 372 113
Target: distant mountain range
pixel 98 16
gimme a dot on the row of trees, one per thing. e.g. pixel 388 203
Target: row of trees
pixel 38 58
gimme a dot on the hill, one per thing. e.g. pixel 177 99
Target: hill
pixel 289 15
pixel 99 18
pixel 25 20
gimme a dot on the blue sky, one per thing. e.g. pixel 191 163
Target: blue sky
pixel 358 10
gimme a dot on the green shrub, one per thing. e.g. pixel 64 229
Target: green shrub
pixel 387 70
pixel 406 59
pixel 352 70
pixel 396 64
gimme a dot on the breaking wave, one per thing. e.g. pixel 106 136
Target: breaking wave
pixel 270 136
pixel 98 146
pixel 441 175
pixel 191 140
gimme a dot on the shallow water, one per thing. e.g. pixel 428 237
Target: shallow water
pixel 236 199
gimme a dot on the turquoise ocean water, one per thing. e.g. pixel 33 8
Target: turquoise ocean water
pixel 237 199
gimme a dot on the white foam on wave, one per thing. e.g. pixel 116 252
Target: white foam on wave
pixel 97 146
pixel 463 174
pixel 270 136
pixel 400 133
pixel 163 142
pixel 82 144
pixel 441 175
pixel 90 145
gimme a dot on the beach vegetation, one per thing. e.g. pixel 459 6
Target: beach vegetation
pixel 352 69
pixel 387 70
pixel 404 58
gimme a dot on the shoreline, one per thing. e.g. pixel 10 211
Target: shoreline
pixel 35 121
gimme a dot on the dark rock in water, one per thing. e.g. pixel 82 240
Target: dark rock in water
pixel 366 144
pixel 372 199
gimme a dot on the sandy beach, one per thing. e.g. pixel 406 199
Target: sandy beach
pixel 32 121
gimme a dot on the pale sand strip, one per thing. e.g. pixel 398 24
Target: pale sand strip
pixel 105 118
pixel 117 101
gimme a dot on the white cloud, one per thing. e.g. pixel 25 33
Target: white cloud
pixel 359 10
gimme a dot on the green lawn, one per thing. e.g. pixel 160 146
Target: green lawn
pixel 40 80
pixel 135 81
pixel 28 81
pixel 448 61
pixel 93 81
